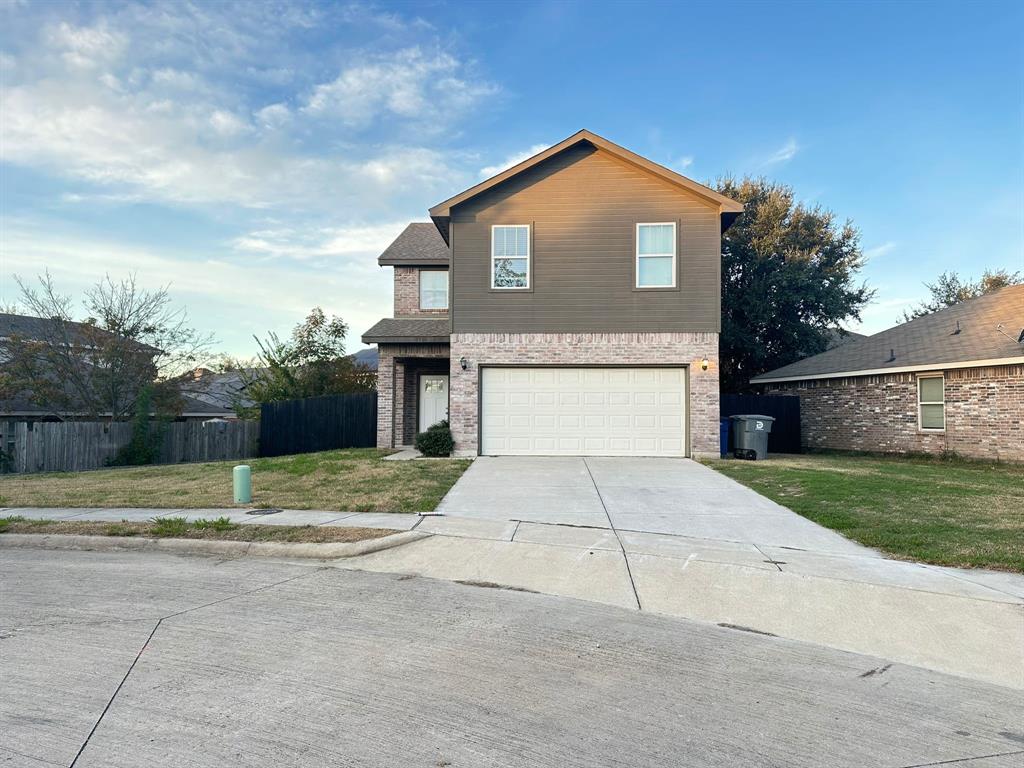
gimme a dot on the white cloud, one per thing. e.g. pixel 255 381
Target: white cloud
pixel 508 162
pixel 305 244
pixel 274 115
pixel 407 84
pixel 880 250
pixel 87 47
pixel 683 163
pixel 124 111
pixel 783 154
pixel 227 124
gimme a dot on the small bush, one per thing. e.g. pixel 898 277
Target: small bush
pixel 169 526
pixel 436 441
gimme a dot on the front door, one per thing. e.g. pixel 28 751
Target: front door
pixel 433 400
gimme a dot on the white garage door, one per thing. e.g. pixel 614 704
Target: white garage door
pixel 583 411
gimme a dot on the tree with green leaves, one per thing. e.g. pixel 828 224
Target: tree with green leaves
pixel 788 280
pixel 310 362
pixel 949 289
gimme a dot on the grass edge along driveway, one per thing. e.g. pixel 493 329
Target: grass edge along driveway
pixel 351 480
pixel 943 511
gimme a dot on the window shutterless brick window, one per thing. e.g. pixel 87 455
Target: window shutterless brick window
pixel 433 289
pixel 510 256
pixel 931 403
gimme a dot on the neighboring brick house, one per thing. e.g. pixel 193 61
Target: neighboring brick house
pixel 951 381
pixel 569 305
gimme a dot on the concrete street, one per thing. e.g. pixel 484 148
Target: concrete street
pixel 123 659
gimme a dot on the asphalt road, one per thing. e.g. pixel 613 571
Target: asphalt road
pixel 137 659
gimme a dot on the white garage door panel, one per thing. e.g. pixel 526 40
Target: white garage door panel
pixel 583 411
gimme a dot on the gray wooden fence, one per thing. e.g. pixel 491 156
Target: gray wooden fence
pixel 71 446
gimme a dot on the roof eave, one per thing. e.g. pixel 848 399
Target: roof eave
pixel 390 339
pixel 424 262
pixel 937 366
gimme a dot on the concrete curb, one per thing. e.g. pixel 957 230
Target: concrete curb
pixel 326 551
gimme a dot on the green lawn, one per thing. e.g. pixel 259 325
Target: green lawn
pixel 356 480
pixel 942 511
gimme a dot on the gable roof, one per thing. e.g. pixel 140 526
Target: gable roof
pixel 420 244
pixel 729 208
pixel 966 335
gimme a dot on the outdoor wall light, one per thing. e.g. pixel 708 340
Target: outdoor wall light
pixel 704 364
pixel 464 363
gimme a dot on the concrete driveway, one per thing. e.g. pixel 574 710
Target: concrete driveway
pixel 677 497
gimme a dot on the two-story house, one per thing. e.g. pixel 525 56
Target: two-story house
pixel 569 305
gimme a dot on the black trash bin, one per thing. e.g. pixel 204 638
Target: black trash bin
pixel 750 435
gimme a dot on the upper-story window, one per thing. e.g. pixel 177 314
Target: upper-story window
pixel 510 256
pixel 433 289
pixel 656 255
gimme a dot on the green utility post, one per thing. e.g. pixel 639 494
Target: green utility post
pixel 242 475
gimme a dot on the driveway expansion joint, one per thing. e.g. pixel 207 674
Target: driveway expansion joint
pixel 611 525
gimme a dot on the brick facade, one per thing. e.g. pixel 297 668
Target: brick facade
pixel 407 294
pixel 396 388
pixel 984 413
pixel 586 349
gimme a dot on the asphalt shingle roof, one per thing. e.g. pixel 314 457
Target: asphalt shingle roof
pixel 420 244
pixel 29 328
pixel 962 333
pixel 409 329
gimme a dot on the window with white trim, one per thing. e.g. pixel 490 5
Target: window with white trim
pixel 931 403
pixel 510 256
pixel 656 255
pixel 433 289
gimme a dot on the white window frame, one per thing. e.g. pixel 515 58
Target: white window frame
pixel 920 423
pixel 529 265
pixel 447 290
pixel 675 248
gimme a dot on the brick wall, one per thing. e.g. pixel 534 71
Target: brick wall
pixel 407 294
pixel 586 349
pixel 392 389
pixel 984 413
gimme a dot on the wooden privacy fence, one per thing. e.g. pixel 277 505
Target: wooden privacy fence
pixel 785 434
pixel 71 446
pixel 318 424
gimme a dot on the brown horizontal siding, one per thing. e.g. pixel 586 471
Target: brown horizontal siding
pixel 583 207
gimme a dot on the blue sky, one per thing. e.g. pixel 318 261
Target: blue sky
pixel 259 157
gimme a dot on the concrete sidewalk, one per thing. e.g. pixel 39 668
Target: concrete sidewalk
pixel 401 522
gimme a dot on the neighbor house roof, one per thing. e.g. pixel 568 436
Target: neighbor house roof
pixel 420 244
pixel 29 328
pixel 977 332
pixel 728 208
pixel 417 330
